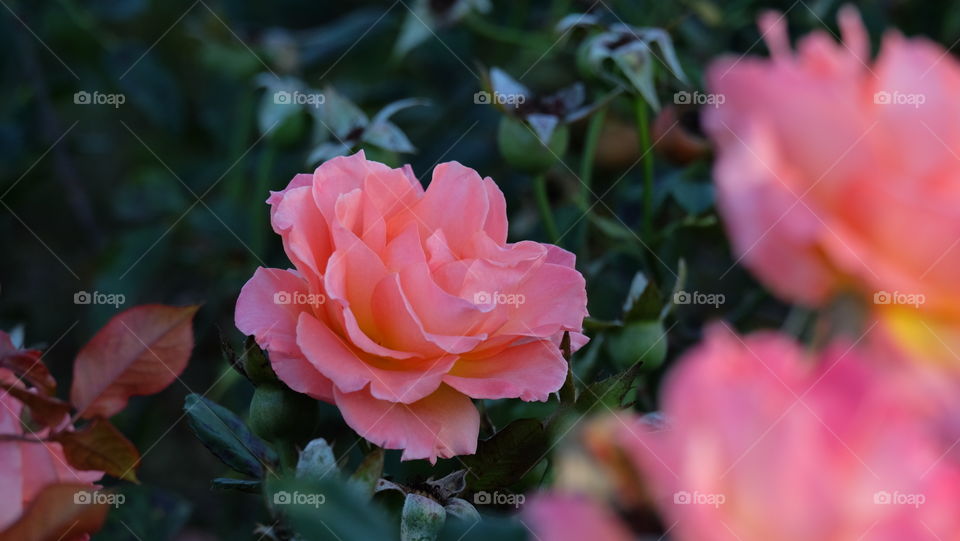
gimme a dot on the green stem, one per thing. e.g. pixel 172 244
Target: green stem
pixel 543 205
pixel 643 132
pixel 594 128
pixel 589 151
pixel 503 34
pixel 288 454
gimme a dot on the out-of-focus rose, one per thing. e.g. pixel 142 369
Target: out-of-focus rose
pixel 406 303
pixel 557 517
pixel 762 442
pixel 27 467
pixel 839 172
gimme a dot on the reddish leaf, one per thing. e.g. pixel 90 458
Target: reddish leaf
pixel 140 351
pixel 100 446
pixel 46 410
pixel 56 514
pixel 26 364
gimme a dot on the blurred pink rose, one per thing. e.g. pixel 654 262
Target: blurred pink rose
pixel 26 468
pixel 762 442
pixel 406 303
pixel 556 517
pixel 838 172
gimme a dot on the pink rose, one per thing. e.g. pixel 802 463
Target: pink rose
pixel 406 303
pixel 25 467
pixel 836 172
pixel 762 442
pixel 565 517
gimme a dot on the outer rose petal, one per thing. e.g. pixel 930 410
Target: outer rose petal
pixel 528 371
pixel 275 328
pixel 306 237
pixel 444 424
pixel 571 518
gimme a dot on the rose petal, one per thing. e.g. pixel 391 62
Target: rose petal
pixel 443 424
pixel 351 370
pixel 454 187
pixel 561 517
pixel 529 371
pixel 306 237
pixel 274 326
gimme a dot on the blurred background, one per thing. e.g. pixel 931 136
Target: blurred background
pixel 139 139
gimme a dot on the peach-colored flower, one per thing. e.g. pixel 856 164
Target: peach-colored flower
pixel 406 303
pixel 27 467
pixel 837 172
pixel 762 442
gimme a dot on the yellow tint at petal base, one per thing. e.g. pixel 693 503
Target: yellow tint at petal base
pixel 922 336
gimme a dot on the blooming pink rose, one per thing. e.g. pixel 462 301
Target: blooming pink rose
pixel 837 172
pixel 26 468
pixel 762 442
pixel 406 303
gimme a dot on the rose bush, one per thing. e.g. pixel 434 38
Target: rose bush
pixel 836 172
pixel 406 303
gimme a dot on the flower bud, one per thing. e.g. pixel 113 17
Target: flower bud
pixel 521 147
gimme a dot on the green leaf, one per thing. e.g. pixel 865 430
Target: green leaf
pixel 339 114
pixel 641 342
pixel 501 529
pixel 421 518
pixel 225 484
pixel 609 392
pixel 225 435
pixel 417 28
pixel 693 196
pixel 345 513
pixel 387 135
pixel 147 514
pixel 504 458
pixel 369 471
pixel 395 107
pixel 326 151
pixel 461 509
pixel 636 63
pixel 643 300
pixel 449 485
